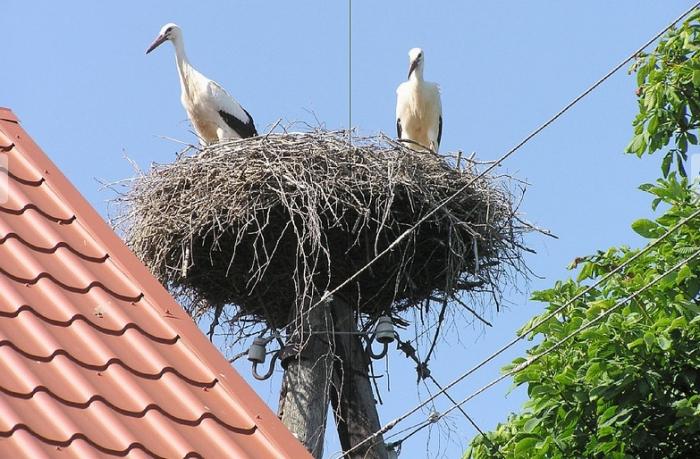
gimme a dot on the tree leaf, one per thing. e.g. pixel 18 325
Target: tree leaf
pixel 666 163
pixel 652 125
pixel 684 273
pixel 635 343
pixel 524 447
pixel 638 145
pixel 645 228
pixel 530 424
pixel 649 339
pixel 664 343
pixel 586 272
pixel 696 78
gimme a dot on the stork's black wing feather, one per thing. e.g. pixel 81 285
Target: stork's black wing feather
pixel 244 129
pixel 439 131
pixel 398 128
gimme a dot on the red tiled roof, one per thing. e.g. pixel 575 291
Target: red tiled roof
pixel 96 358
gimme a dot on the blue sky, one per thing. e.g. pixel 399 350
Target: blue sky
pixel 76 75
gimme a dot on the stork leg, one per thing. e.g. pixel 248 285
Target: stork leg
pixel 433 144
pixel 220 134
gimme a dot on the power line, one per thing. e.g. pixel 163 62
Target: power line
pixel 396 445
pixel 390 425
pixel 350 73
pixel 504 157
pixel 556 345
pixel 535 358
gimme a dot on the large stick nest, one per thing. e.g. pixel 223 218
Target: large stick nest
pixel 264 223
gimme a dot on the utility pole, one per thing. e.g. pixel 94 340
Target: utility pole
pixel 308 369
pixel 321 367
pixel 354 406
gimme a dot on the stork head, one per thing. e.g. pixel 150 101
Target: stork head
pixel 170 32
pixel 415 58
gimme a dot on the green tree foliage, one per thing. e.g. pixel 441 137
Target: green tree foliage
pixel 669 96
pixel 628 386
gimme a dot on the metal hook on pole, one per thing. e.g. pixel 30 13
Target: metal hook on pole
pixel 393 450
pixel 384 334
pixel 257 353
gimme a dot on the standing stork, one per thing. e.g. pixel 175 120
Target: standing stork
pixel 214 114
pixel 418 107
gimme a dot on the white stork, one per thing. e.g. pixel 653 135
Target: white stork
pixel 214 114
pixel 418 107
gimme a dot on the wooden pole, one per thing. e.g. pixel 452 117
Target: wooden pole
pixel 308 366
pixel 354 406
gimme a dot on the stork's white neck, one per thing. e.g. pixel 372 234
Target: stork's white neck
pixel 184 69
pixel 180 55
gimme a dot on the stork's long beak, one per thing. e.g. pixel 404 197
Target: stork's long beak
pixel 156 43
pixel 414 65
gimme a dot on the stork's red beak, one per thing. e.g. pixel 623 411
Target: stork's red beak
pixel 156 43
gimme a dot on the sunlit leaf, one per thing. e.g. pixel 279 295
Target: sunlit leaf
pixel 645 228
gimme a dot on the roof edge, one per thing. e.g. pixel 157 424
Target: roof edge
pixel 7 114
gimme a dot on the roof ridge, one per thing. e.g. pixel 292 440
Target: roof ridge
pixel 87 288
pixel 107 364
pixel 51 250
pixel 125 412
pixel 101 329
